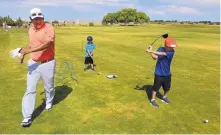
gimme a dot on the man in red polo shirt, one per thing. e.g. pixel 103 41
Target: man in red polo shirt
pixel 41 64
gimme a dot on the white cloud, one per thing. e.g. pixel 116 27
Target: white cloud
pixel 80 5
pixel 194 2
pixel 83 8
pixel 172 9
pixel 28 3
pixel 155 12
pixel 181 9
pixel 206 2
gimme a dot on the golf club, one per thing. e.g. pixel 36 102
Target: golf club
pixel 165 35
pixel 98 73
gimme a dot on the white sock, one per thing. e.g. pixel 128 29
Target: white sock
pixel 152 100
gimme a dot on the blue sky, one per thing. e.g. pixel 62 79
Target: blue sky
pixel 92 10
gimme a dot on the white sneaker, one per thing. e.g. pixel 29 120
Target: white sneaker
pixel 26 122
pixel 48 107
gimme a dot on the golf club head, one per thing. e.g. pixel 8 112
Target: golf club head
pixel 165 35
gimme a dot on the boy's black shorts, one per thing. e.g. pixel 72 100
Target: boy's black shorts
pixel 88 60
pixel 164 81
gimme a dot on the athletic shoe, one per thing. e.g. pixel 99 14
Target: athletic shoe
pixel 154 104
pixel 48 107
pixel 166 100
pixel 26 123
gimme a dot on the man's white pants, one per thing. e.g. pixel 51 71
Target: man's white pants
pixel 37 71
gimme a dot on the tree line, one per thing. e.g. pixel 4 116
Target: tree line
pixel 125 16
pixel 9 21
pixel 175 21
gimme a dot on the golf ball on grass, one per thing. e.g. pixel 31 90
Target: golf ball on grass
pixel 206 121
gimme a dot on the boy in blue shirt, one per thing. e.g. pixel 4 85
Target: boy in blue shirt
pixel 90 47
pixel 164 56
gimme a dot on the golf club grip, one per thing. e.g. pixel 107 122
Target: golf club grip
pixel 150 46
pixel 153 43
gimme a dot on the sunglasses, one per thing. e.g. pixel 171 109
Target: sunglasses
pixel 34 14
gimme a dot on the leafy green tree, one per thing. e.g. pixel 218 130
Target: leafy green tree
pixel 19 22
pixel 125 16
pixel 141 18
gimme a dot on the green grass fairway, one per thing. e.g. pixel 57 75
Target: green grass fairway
pixel 98 105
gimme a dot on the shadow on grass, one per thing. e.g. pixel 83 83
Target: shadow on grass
pixel 148 89
pixel 61 93
pixel 90 67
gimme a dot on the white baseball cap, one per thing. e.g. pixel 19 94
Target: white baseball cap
pixel 36 12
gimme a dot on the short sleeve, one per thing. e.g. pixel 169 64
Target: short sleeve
pixel 50 34
pixel 170 54
pixel 87 47
pixel 160 49
pixel 29 33
pixel 94 46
